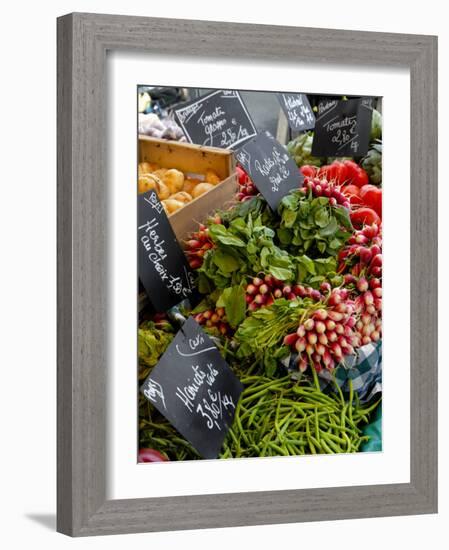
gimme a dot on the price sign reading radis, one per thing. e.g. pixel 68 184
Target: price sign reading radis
pixel 271 168
pixel 194 388
pixel 219 119
pixel 342 128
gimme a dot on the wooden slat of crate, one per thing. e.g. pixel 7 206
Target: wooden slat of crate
pixel 193 159
pixel 186 157
pixel 185 220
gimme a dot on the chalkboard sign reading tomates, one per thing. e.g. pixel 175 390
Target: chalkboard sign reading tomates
pixel 297 110
pixel 219 119
pixel 271 168
pixel 163 268
pixel 342 128
pixel 193 387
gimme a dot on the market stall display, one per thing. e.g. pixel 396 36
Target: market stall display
pixel 190 180
pixel 291 295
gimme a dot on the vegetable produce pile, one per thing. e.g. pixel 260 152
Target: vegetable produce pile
pixel 274 417
pixel 287 295
pixel 301 150
pixel 154 338
pixel 247 189
pixel 174 188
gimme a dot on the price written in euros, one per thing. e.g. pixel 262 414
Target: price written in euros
pixel 345 132
pixel 209 404
pixel 343 137
pixel 302 118
pixel 274 167
pixel 231 136
pixel 211 408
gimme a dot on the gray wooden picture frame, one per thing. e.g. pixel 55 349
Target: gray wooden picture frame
pixel 83 41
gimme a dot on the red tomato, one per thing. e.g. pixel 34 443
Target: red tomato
pixel 338 172
pixel 335 172
pixel 308 171
pixel 372 197
pixel 355 174
pixel 351 168
pixel 364 216
pixel 360 178
pixel 323 171
pixel 150 455
pixel 353 194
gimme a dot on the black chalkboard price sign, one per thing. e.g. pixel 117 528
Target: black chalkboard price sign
pixel 297 110
pixel 342 128
pixel 163 268
pixel 219 119
pixel 194 388
pixel 271 168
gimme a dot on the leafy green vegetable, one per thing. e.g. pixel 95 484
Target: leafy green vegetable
pixel 329 229
pixel 152 342
pixel 261 334
pixel 311 225
pixel 226 261
pixel 342 215
pixel 219 234
pixel 256 206
pixel 233 300
pixel 244 248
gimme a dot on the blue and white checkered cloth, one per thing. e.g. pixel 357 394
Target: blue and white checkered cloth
pixel 363 368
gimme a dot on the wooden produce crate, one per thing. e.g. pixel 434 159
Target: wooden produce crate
pixel 193 160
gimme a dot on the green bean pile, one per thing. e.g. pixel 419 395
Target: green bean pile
pixel 281 417
pixel 273 417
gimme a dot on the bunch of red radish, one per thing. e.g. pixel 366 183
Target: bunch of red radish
pixel 321 187
pixel 368 306
pixel 362 261
pixel 263 290
pixel 366 204
pixel 352 182
pixel 247 189
pixel 345 172
pixel 327 334
pixel 214 318
pixel 198 244
pixel 362 256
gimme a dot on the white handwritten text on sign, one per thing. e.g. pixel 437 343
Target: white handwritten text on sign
pixel 219 119
pixel 342 128
pixel 271 168
pixel 163 268
pixel 298 111
pixel 194 388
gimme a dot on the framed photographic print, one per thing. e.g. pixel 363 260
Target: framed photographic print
pixel 247 279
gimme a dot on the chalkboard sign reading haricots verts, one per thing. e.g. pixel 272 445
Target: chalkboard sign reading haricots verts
pixel 342 128
pixel 194 388
pixel 219 119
